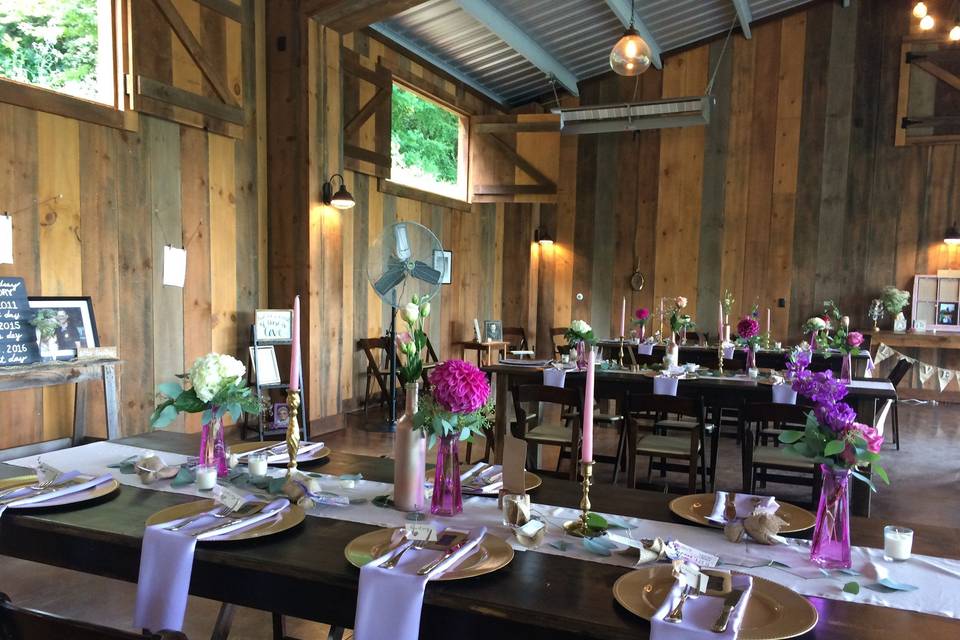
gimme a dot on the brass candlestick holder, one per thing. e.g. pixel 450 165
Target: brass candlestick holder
pixel 720 356
pixel 620 357
pixel 293 430
pixel 579 527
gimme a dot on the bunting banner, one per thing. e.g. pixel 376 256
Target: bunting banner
pixel 944 376
pixel 925 371
pixel 883 352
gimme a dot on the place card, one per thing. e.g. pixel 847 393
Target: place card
pixel 174 266
pixel 678 551
pixel 420 532
pixel 6 239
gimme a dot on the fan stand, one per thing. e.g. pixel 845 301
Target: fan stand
pixel 390 426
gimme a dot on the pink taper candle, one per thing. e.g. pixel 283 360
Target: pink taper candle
pixel 295 347
pixel 768 321
pixel 623 318
pixel 587 447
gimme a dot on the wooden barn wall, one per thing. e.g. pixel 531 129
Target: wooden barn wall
pixel 794 191
pixel 94 207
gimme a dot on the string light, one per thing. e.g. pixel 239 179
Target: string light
pixel 920 10
pixel 955 33
pixel 927 22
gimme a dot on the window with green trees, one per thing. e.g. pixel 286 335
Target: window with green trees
pixel 425 145
pixel 63 45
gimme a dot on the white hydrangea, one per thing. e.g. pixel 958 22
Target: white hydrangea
pixel 816 324
pixel 580 327
pixel 211 372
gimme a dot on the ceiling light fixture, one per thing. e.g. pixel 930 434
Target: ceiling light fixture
pixel 927 22
pixel 952 235
pixel 919 10
pixel 342 199
pixel 541 237
pixel 631 56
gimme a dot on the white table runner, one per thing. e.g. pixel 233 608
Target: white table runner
pixel 938 579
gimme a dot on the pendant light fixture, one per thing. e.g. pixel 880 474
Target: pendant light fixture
pixel 631 56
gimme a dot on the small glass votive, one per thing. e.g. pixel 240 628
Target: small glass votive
pixel 257 464
pixel 897 543
pixel 206 476
pixel 516 509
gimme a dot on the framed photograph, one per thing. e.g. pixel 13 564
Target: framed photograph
pixel 273 325
pixel 443 262
pixel 947 313
pixel 492 330
pixel 62 324
pixel 265 367
pixel 281 415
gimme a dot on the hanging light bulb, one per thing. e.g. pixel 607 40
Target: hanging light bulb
pixel 927 22
pixel 920 10
pixel 955 32
pixel 631 56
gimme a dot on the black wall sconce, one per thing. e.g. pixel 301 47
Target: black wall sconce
pixel 342 199
pixel 541 237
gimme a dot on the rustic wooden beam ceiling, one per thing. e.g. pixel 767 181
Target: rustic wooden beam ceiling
pixel 347 16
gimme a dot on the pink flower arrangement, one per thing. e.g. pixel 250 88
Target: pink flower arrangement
pixel 642 314
pixel 459 387
pixel 748 328
pixel 681 302
pixel 854 339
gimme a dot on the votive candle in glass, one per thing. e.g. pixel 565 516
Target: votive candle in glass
pixel 206 476
pixel 897 543
pixel 257 464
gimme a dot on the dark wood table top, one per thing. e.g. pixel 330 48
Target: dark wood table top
pixel 303 572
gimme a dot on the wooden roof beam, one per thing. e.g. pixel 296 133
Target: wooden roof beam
pixel 745 16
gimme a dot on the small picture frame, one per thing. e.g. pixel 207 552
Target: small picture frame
pixel 281 415
pixel 476 331
pixel 443 262
pixel 264 360
pixel 492 331
pixel 947 313
pixel 273 325
pixel 75 325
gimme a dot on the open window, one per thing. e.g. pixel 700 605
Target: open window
pixel 64 46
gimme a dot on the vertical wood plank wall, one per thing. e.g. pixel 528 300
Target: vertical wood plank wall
pixel 794 191
pixel 94 208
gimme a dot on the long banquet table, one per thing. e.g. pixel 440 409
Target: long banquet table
pixel 303 572
pixel 863 396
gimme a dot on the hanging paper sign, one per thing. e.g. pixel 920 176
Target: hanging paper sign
pixel 174 266
pixel 6 240
pixel 944 376
pixel 18 338
pixel 926 371
pixel 883 352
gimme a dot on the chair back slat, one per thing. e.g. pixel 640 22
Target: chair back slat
pixel 775 412
pixel 899 371
pixel 652 403
pixel 516 336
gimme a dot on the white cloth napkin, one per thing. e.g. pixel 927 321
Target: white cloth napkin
pixel 305 447
pixel 29 499
pixel 700 613
pixel 784 394
pixel 390 600
pixel 745 503
pixel 166 563
pixel 665 386
pixel 645 349
pixel 553 377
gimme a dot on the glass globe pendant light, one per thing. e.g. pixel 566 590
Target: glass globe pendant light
pixel 920 10
pixel 631 56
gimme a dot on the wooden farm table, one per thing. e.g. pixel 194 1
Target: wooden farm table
pixel 485 350
pixel 46 374
pixel 303 572
pixel 716 392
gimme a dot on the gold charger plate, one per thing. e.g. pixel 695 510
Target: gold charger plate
pixel 491 554
pixel 289 518
pixel 102 489
pixel 774 612
pixel 310 456
pixel 530 479
pixel 696 507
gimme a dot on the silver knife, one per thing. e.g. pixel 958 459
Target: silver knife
pixel 430 566
pixel 232 521
pixel 730 603
pixel 41 492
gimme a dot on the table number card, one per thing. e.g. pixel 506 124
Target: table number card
pixel 6 240
pixel 18 338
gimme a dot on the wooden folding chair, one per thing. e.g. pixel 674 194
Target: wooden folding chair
pixel 377 367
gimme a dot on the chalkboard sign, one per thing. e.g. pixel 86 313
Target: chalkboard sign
pixel 273 325
pixel 18 338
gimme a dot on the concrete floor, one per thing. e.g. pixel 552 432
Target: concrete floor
pixel 925 475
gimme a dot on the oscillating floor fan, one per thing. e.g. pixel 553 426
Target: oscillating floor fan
pixel 399 267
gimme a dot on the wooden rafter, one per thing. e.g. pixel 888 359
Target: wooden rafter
pixel 346 16
pixel 193 47
pixel 225 8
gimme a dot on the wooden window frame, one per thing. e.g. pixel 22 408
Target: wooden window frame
pixel 118 115
pixel 403 189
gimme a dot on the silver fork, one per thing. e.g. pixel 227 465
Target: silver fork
pixel 676 615
pixel 36 487
pixel 221 512
pixel 392 562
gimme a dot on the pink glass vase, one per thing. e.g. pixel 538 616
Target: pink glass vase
pixel 212 449
pixel 409 457
pixel 846 370
pixel 447 499
pixel 581 354
pixel 830 547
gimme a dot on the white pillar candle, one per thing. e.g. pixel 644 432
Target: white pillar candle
pixel 206 477
pixel 623 318
pixel 257 465
pixel 897 543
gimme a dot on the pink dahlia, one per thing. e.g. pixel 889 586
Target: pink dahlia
pixel 854 339
pixel 459 387
pixel 642 313
pixel 748 328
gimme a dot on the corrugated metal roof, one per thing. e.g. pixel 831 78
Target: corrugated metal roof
pixel 578 34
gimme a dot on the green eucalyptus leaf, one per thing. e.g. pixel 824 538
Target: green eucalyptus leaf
pixel 863 478
pixel 596 521
pixel 464 434
pixel 852 587
pixel 789 437
pixel 167 415
pixel 188 402
pixel 170 389
pixel 834 447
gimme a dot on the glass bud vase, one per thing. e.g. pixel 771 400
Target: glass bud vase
pixel 409 457
pixel 212 449
pixel 830 546
pixel 846 370
pixel 581 354
pixel 751 358
pixel 447 499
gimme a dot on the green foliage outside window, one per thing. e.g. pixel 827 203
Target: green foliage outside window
pixel 424 138
pixel 50 43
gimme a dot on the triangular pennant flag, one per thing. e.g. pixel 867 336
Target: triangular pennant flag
pixel 883 352
pixel 926 371
pixel 944 376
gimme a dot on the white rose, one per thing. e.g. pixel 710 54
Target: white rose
pixel 410 313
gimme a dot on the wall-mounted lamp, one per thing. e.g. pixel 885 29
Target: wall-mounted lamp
pixel 342 199
pixel 952 235
pixel 541 237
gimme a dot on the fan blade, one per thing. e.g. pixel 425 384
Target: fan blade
pixel 390 279
pixel 423 271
